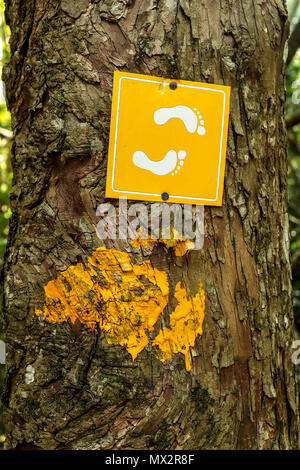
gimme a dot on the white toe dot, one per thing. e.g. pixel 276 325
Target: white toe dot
pixel 201 130
pixel 181 163
pixel 181 154
pixel 202 122
pixel 176 171
pixel 172 174
pixel 178 168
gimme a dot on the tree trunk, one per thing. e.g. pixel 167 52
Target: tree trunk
pixel 69 386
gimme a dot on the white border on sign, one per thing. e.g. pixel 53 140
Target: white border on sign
pixel 116 138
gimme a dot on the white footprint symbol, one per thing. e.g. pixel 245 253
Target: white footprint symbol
pixel 193 122
pixel 185 114
pixel 163 167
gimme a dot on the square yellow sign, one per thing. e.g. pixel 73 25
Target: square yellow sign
pixel 167 140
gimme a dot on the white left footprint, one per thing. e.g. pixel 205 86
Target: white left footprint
pixel 170 163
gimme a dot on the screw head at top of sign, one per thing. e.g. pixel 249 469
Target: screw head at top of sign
pixel 165 196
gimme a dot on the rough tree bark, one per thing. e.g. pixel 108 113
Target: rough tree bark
pixel 66 387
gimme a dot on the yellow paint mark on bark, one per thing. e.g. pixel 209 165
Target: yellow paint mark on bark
pixel 124 301
pixel 185 325
pixel 180 245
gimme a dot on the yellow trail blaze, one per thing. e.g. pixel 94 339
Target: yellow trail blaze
pixel 185 325
pixel 125 301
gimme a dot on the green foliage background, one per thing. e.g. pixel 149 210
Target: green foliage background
pixel 293 103
pixel 5 166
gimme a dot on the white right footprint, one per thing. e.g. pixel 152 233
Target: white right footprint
pixel 163 167
pixel 185 114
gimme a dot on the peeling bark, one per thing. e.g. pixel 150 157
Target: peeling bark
pixel 66 387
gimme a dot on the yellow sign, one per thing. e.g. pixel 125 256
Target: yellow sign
pixel 168 140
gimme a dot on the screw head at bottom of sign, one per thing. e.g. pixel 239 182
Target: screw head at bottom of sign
pixel 165 196
pixel 173 85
